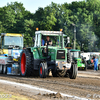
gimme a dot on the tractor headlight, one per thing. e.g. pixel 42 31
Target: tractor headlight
pixel 56 61
pixel 82 65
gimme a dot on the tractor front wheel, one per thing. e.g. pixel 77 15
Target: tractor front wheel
pixel 61 73
pixel 54 73
pixel 43 71
pixel 73 71
pixel 26 67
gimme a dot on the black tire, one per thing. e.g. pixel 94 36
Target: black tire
pixel 26 66
pixel 68 57
pixel 99 67
pixel 85 65
pixel 54 73
pixel 43 71
pixel 61 73
pixel 1 69
pixel 73 71
pixel 4 69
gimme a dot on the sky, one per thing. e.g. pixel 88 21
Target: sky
pixel 33 5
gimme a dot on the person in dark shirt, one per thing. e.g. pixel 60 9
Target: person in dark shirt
pixel 48 41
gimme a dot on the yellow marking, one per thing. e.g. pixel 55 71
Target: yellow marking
pixel 13 34
pixel 5 51
pixel 15 59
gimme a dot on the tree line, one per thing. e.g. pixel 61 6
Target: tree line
pixel 84 14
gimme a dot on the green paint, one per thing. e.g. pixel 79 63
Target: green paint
pixel 79 62
pixel 75 55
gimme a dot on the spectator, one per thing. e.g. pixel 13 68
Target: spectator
pixel 95 64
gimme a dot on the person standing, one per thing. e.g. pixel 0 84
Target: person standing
pixel 95 64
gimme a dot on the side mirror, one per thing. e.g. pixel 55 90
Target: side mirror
pixel 68 39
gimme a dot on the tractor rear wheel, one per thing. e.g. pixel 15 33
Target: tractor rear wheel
pixel 99 67
pixel 43 71
pixel 26 67
pixel 54 73
pixel 73 71
pixel 4 69
pixel 1 69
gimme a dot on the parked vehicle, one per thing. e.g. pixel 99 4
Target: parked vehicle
pixel 11 45
pixel 89 58
pixel 80 61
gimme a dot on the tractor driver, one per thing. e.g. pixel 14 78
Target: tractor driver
pixel 48 41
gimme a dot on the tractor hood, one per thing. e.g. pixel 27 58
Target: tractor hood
pixel 57 53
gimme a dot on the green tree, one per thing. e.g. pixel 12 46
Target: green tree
pixel 29 32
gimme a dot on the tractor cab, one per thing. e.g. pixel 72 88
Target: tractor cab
pixel 81 62
pixel 49 47
pixel 55 37
pixel 11 40
pixel 11 44
pixel 75 53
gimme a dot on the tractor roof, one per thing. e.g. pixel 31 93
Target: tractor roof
pixel 11 34
pixel 52 33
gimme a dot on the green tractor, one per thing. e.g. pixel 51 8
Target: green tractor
pixel 81 62
pixel 43 57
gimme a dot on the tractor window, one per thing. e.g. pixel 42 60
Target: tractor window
pixel 13 40
pixel 75 54
pixel 55 40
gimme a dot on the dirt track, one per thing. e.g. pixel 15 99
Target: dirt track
pixel 82 86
